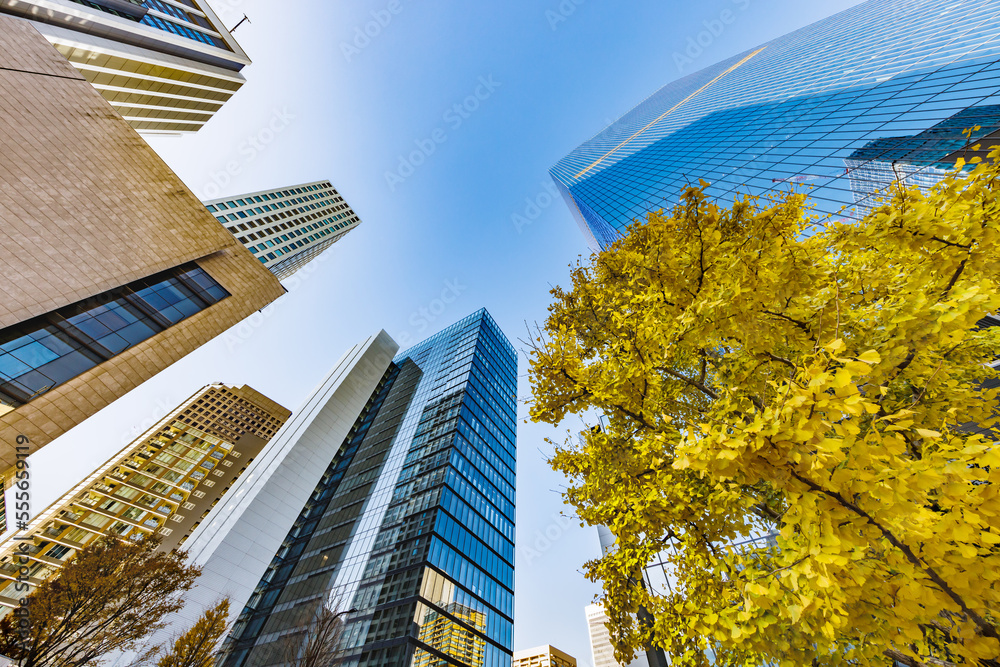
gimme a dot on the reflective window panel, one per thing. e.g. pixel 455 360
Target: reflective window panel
pixel 412 527
pixel 41 353
pixel 841 109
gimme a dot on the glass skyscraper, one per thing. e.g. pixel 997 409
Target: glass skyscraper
pixel 841 109
pixel 411 528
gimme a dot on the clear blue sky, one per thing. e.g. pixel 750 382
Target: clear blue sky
pixel 556 77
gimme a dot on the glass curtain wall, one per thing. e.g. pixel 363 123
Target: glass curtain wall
pixel 841 110
pixel 415 541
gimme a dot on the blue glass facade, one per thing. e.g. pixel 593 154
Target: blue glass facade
pixel 412 526
pixel 39 354
pixel 165 16
pixel 826 108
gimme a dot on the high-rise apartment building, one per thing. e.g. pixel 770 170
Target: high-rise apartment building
pixel 163 483
pixel 543 656
pixel 411 527
pixel 112 268
pixel 803 111
pixel 164 65
pixel 288 227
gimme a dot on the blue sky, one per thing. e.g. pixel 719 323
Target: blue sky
pixel 439 239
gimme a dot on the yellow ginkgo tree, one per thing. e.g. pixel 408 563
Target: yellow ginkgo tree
pixel 827 383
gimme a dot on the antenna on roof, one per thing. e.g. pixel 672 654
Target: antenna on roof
pixel 245 18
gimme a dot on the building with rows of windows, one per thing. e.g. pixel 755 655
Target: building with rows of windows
pixel 543 656
pixel 113 268
pixel 163 483
pixel 164 65
pixel 288 227
pixel 410 527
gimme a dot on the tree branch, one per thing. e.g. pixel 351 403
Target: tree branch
pixel 987 629
pixel 690 381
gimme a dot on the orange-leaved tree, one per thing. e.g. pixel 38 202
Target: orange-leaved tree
pixel 201 644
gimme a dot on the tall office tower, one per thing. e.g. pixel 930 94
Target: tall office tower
pixel 543 656
pixel 411 528
pixel 287 228
pixel 601 650
pixel 164 65
pixel 788 114
pixel 112 268
pixel 163 483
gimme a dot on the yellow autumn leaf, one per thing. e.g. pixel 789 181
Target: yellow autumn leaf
pixel 870 357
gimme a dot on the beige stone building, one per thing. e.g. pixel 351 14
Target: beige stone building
pixel 163 483
pixel 164 65
pixel 111 268
pixel 543 656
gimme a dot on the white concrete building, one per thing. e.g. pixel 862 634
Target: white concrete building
pixel 288 227
pixel 235 543
pixel 601 650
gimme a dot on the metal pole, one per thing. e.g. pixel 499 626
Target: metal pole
pixel 242 20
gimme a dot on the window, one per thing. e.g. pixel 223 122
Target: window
pixel 46 351
pixel 57 551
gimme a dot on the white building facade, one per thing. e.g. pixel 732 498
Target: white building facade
pixel 165 65
pixel 288 227
pixel 235 543
pixel 601 650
